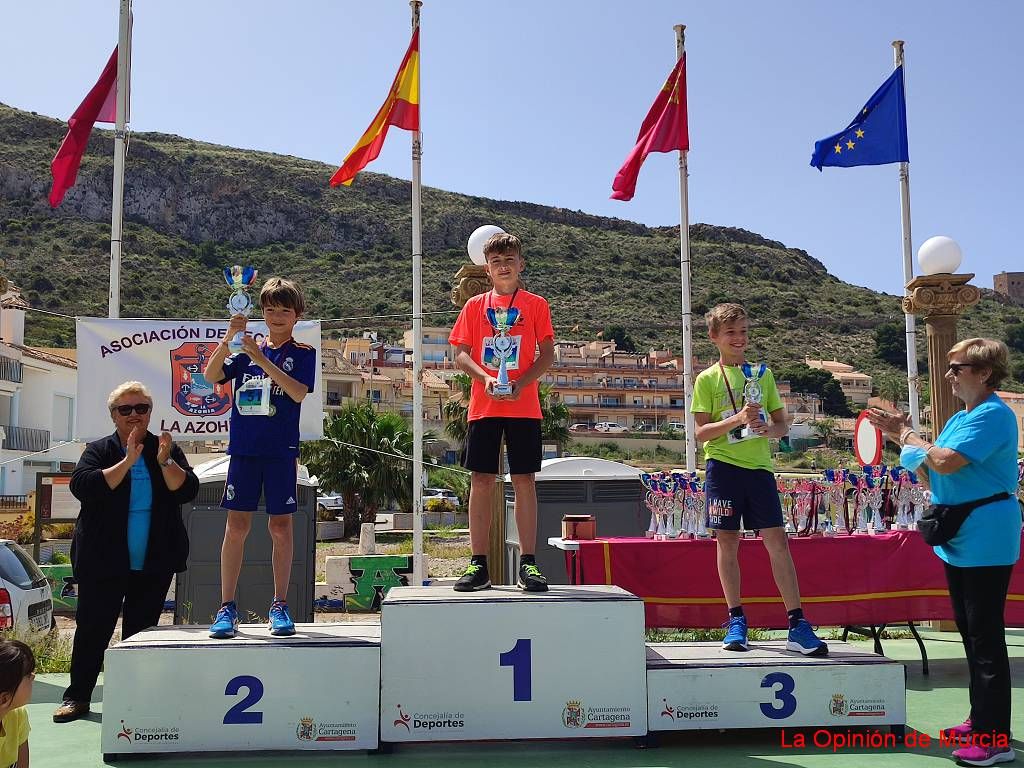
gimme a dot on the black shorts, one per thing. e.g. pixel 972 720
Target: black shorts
pixel 522 442
pixel 736 495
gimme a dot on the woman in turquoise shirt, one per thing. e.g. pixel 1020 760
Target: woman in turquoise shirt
pixel 975 457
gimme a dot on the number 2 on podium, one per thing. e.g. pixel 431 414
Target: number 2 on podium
pixel 238 714
pixel 519 658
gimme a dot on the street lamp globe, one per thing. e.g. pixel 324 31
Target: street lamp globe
pixel 939 255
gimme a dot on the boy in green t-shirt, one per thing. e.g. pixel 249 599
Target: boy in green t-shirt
pixel 729 399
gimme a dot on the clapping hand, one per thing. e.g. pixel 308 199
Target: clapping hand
pixel 891 424
pixel 133 449
pixel 163 451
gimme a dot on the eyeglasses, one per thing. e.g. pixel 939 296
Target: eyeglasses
pixel 139 408
pixel 957 367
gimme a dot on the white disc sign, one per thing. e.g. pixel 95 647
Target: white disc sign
pixel 867 441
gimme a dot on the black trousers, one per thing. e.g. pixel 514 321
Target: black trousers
pixel 100 602
pixel 979 598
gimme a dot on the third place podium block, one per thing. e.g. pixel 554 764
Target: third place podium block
pixel 173 689
pixel 504 664
pixel 698 685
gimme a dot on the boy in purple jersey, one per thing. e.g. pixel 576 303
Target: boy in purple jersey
pixel 269 382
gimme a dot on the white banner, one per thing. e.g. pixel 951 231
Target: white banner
pixel 169 358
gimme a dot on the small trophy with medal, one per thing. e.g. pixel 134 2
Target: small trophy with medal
pixel 503 345
pixel 752 393
pixel 240 302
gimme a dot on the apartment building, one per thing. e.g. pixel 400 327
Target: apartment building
pixel 855 385
pixel 37 404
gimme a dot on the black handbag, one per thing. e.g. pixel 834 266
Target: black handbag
pixel 942 521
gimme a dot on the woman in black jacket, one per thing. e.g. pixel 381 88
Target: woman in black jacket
pixel 129 539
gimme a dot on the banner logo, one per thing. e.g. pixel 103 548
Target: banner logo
pixel 192 394
pixel 572 714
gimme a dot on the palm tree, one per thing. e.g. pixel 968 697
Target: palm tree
pixel 826 431
pixel 364 456
pixel 556 415
pixel 456 411
pixel 892 387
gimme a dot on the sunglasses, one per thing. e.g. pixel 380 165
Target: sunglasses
pixel 957 367
pixel 125 410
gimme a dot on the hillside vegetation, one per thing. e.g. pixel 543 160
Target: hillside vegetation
pixel 192 208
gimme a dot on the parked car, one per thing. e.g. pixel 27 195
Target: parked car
pixel 610 427
pixel 330 501
pixel 440 493
pixel 678 426
pixel 579 427
pixel 25 598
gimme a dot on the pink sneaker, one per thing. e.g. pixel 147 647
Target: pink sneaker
pixel 985 755
pixel 957 731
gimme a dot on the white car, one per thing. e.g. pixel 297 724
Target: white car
pixel 610 427
pixel 332 501
pixel 440 493
pixel 25 598
pixel 579 427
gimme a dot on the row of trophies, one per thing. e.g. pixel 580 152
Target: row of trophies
pixel 875 500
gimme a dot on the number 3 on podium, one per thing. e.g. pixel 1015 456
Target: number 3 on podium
pixel 519 658
pixel 784 702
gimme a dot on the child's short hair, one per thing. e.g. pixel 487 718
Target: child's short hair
pixel 722 314
pixel 16 663
pixel 279 292
pixel 503 243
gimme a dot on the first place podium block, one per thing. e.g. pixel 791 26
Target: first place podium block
pixel 504 664
pixel 173 689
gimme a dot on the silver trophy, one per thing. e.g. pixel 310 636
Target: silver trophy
pixel 752 391
pixel 240 302
pixel 503 345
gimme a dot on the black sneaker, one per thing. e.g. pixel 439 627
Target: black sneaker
pixel 474 579
pixel 531 579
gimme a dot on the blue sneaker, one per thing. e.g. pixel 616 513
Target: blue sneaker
pixel 803 640
pixel 281 624
pixel 225 625
pixel 736 636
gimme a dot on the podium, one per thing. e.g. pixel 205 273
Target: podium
pixel 505 664
pixel 173 689
pixel 693 686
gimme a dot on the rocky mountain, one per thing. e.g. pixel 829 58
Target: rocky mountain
pixel 192 208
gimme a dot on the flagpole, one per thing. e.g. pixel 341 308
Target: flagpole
pixel 417 344
pixel 684 271
pixel 124 55
pixel 913 382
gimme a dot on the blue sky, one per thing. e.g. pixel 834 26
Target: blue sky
pixel 540 100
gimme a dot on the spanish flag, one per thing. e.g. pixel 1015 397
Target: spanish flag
pixel 401 108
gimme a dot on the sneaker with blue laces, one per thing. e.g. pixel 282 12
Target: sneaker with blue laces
pixel 736 636
pixel 281 624
pixel 803 640
pixel 225 625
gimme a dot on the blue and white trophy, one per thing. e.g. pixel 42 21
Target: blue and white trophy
pixel 503 345
pixel 240 302
pixel 752 391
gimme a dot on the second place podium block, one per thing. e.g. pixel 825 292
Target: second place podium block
pixel 504 664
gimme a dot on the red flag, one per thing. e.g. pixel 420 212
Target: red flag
pixel 99 106
pixel 401 109
pixel 663 130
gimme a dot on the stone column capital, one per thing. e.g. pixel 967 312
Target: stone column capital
pixel 938 295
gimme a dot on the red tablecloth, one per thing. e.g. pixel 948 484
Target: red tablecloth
pixel 844 580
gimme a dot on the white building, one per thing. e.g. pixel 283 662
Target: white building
pixel 37 403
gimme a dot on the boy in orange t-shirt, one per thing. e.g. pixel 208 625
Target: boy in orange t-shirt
pixel 524 320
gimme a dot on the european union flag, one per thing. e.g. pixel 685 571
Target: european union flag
pixel 876 136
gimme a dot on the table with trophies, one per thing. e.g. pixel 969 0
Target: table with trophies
pixel 860 561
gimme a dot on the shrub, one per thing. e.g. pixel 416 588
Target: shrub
pixel 439 506
pixel 59 558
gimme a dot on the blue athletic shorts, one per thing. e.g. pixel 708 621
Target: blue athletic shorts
pixel 249 477
pixel 736 495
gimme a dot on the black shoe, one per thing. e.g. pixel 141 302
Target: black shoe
pixel 531 579
pixel 474 579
